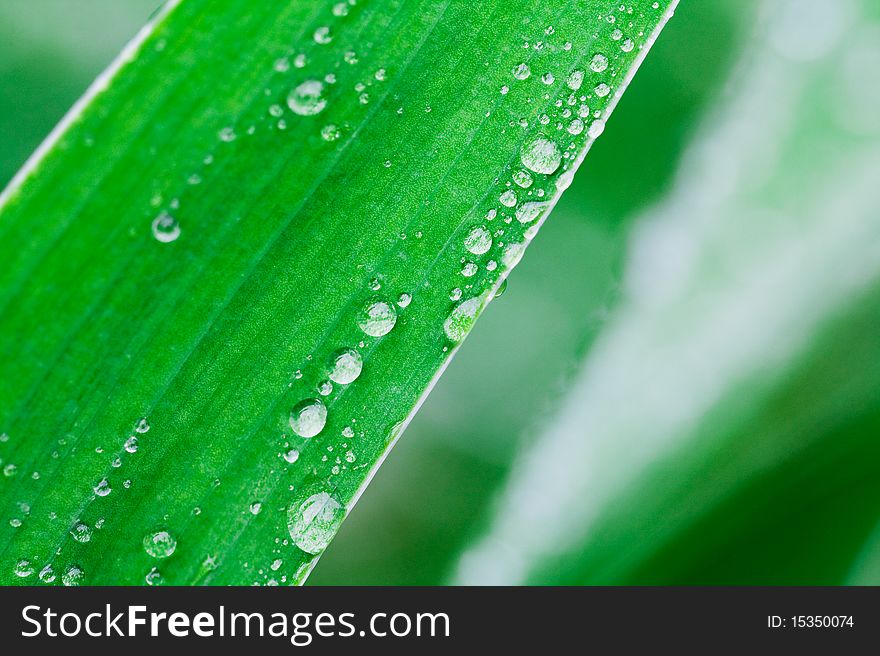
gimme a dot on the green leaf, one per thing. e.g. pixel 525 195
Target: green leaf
pixel 723 429
pixel 253 197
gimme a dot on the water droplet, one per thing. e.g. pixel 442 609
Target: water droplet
pixel 313 523
pixel 23 569
pixel 462 317
pixel 596 128
pixel 10 470
pixel 322 35
pixel 72 576
pixel 598 63
pixel 478 240
pixel 340 9
pixel 160 544
pixel 255 508
pixel 602 89
pixel 103 488
pixel 307 99
pixel 330 133
pixel 380 75
pixel 131 444
pixel 576 126
pixel 300 60
pixel 153 577
pixel 348 431
pixel 522 178
pixel 47 574
pixel 541 155
pixel 227 134
pixel 512 255
pixel 377 318
pixel 308 417
pixel 548 78
pixel 291 456
pixel 142 426
pixel 530 211
pixel 165 228
pixel 455 294
pixel 81 532
pixel 501 289
pixel 346 366
pixel 627 45
pixel 575 80
pixel 469 269
pixel 404 299
pixel 616 35
pixel 508 198
pixel 521 71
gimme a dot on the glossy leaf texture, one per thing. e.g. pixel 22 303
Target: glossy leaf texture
pixel 235 269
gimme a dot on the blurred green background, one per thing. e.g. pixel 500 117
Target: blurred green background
pixel 440 489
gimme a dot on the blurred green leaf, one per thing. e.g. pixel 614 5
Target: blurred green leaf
pixel 723 428
pixel 249 192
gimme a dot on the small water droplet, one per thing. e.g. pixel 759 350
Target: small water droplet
pixel 522 178
pixel 469 269
pixel 227 134
pixel 602 89
pixel 153 577
pixel 103 488
pixel 255 508
pixel 576 126
pixel 72 576
pixel 322 35
pixel 598 63
pixel 308 417
pixel 142 426
pixel 521 71
pixel 404 299
pixel 348 431
pixel 346 366
pixel 165 228
pixel 330 132
pixel 81 532
pixel 596 128
pixel 313 523
pixel 47 574
pixel 307 99
pixel 159 544
pixel 131 444
pixel 23 569
pixel 377 318
pixel 508 198
pixel 291 456
pixel 575 80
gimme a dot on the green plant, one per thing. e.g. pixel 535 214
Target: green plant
pixel 236 268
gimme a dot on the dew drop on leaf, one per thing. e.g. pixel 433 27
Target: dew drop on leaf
pixel 159 544
pixel 308 417
pixel 313 523
pixel 598 63
pixel 478 240
pixel 462 317
pixel 521 71
pixel 346 366
pixel 23 569
pixel 530 211
pixel 307 99
pixel 541 155
pixel 165 228
pixel 377 318
pixel 72 576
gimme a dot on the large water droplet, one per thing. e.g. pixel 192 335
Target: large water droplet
pixel 598 63
pixel 478 240
pixel 165 228
pixel 346 366
pixel 72 576
pixel 377 318
pixel 313 523
pixel 462 317
pixel 160 544
pixel 308 417
pixel 23 569
pixel 541 155
pixel 530 211
pixel 307 99
pixel 81 532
